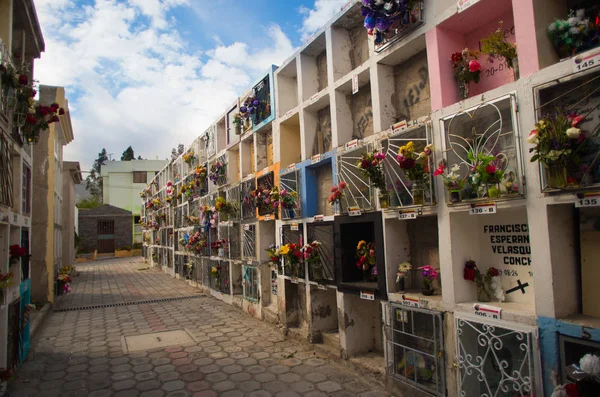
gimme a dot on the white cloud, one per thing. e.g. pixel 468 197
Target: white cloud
pixel 319 15
pixel 132 80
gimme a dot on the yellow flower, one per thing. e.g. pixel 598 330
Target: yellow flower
pixel 361 243
pixel 284 250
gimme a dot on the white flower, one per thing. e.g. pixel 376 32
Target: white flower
pixel 559 391
pixel 533 138
pixel 574 30
pixel 590 364
pixel 496 286
pixel 573 132
pixel 552 27
pixel 573 21
pixel 580 13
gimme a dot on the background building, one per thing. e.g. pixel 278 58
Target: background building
pixel 105 229
pixel 71 177
pixel 122 182
pixel 20 40
pixel 50 228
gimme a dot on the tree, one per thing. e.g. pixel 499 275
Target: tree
pixel 93 182
pixel 90 202
pixel 177 152
pixel 128 154
pixel 140 158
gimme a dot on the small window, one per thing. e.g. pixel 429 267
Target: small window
pixel 140 176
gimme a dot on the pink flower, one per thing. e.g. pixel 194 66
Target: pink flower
pixel 474 66
pixel 379 156
pixel 439 170
pixel 490 169
pixel 375 163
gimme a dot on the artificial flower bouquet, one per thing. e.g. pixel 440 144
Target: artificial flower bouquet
pixel 217 245
pixel 383 19
pixel 265 199
pixel 16 252
pixel 429 274
pixel 190 157
pixel 218 171
pixel 488 284
pixel 557 144
pixel 486 174
pixel 161 217
pixel 210 216
pixel 293 255
pixel 466 70
pixel 403 270
pixel 497 47
pixel 415 166
pixel 312 256
pixel 366 260
pixel 288 199
pixel 452 180
pixel 371 167
pixel 6 280
pixel 337 192
pixel 586 375
pixel 63 284
pixel 39 119
pixel 223 206
pixel 274 256
pixel 578 33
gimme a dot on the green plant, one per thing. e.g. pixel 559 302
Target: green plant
pixel 89 203
pixel 137 246
pixel 497 47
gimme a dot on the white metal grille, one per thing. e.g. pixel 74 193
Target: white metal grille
pixel 249 241
pixel 495 358
pixel 234 197
pixel 250 283
pixel 359 191
pixel 290 182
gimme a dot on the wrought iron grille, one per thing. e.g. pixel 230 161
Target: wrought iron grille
pixel 184 215
pixel 358 192
pixel 249 241
pixel 206 267
pixel 265 182
pixel 235 241
pixel 325 269
pixel 6 174
pixel 250 283
pixel 195 271
pixel 262 93
pixel 247 202
pixel 224 235
pixel 290 183
pixel 577 94
pixel 234 197
pixel 224 282
pixel 489 129
pixel 179 261
pixel 209 139
pixel 402 189
pixel 169 257
pixel 406 21
pixel 495 358
pixel 177 217
pixel 414 348
pixel 289 236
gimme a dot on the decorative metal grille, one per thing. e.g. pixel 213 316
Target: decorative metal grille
pixel 6 174
pixel 234 197
pixel 265 182
pixel 235 241
pixel 224 235
pixel 495 359
pixel 195 270
pixel 358 192
pixel 169 257
pixel 209 139
pixel 406 22
pixel 206 266
pixel 577 94
pixel 325 269
pixel 489 129
pixel 414 348
pixel 289 236
pixel 250 283
pixel 290 182
pixel 247 202
pixel 177 216
pixel 262 93
pixel 249 241
pixel 224 282
pixel 184 222
pixel 400 186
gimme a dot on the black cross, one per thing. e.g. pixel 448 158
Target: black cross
pixel 518 287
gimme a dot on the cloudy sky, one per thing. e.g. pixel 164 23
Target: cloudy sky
pixel 152 73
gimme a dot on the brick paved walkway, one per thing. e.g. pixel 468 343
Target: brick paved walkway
pixel 80 353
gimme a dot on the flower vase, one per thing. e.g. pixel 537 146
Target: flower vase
pixel 238 129
pixel 427 291
pixel 221 252
pixel 296 270
pixel 317 272
pixel 402 285
pixel 454 196
pixel 291 213
pixel 367 275
pixel 384 200
pixel 556 176
pixel 515 68
pixel 483 294
pixel 247 124
pixel 463 90
pixel 418 193
pixel 493 189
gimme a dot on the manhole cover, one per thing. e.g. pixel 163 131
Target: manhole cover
pixel 156 340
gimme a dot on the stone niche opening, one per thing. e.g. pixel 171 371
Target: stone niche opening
pixel 313 63
pixel 404 88
pixel 290 142
pixel 414 241
pixel 247 152
pixel 350 41
pixel 295 305
pixel 361 335
pixel 287 82
pixel 264 148
pixel 324 316
pixel 354 112
pixel 317 127
pixel 349 231
pixel 319 180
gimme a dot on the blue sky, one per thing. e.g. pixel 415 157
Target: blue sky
pixel 153 73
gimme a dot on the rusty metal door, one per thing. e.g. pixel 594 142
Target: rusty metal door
pixel 106 236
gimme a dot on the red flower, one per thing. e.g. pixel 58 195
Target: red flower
pixel 23 80
pixel 365 164
pixel 492 271
pixel 375 163
pixel 298 254
pixel 33 93
pixel 343 185
pixel 61 111
pixel 333 189
pixel 43 110
pixel 474 66
pixel 571 390
pixel 55 119
pixel 362 259
pixel 456 57
pixel 54 107
pixel 576 120
pixel 490 169
pixel 439 170
pixel 407 163
pixel 469 274
pixel 31 119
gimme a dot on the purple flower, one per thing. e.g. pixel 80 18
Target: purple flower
pixel 255 102
pixel 370 22
pixel 243 109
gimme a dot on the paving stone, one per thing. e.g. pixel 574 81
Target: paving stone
pixel 173 385
pixel 329 386
pixel 101 393
pixel 167 376
pixel 164 368
pixel 124 384
pixel 142 368
pixel 148 385
pixel 142 376
pixel 248 386
pixel 278 369
pixel 153 393
pixel 122 376
pixel 192 376
pixel 315 377
pixel 205 393
pixel 126 393
pixel 179 393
